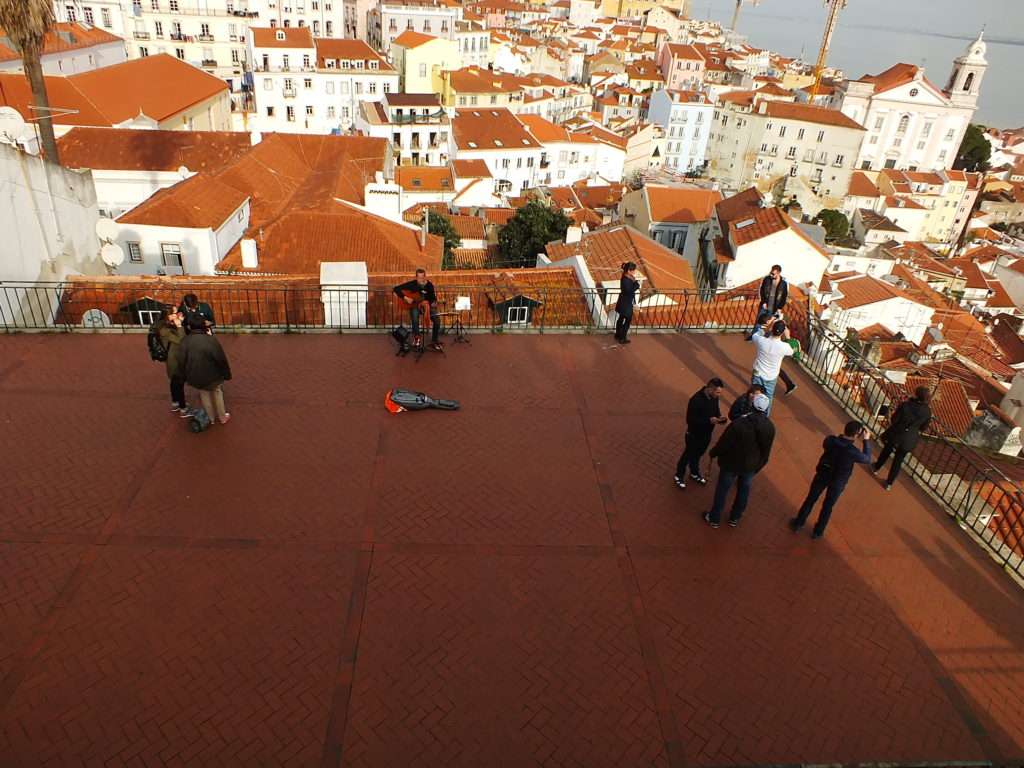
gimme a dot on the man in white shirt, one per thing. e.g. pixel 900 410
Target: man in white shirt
pixel 771 351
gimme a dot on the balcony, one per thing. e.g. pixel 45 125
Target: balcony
pixel 141 35
pixel 209 62
pixel 179 37
pixel 204 38
pixel 288 93
pixel 890 630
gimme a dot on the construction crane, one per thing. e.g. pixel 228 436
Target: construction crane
pixel 834 6
pixel 736 13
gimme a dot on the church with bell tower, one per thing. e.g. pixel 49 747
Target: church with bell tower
pixel 911 124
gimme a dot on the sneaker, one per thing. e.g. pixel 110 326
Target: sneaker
pixel 226 419
pixel 437 347
pixel 699 479
pixel 679 481
pixel 791 391
pixel 795 524
pixel 888 486
pixel 734 523
pixel 175 407
pixel 707 519
pixel 186 413
pixel 874 470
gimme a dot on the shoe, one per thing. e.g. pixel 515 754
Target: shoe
pixel 795 524
pixel 815 535
pixel 186 413
pixel 791 391
pixel 888 486
pixel 679 481
pixel 707 519
pixel 226 419
pixel 734 523
pixel 874 470
pixel 175 407
pixel 437 346
pixel 699 479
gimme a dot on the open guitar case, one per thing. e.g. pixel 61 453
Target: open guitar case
pixel 398 400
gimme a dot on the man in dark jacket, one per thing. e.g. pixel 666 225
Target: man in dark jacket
pixel 742 451
pixel 198 315
pixel 702 414
pixel 832 474
pixel 744 404
pixel 205 366
pixel 415 293
pixel 905 427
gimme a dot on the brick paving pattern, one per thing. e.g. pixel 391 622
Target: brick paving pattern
pixel 518 583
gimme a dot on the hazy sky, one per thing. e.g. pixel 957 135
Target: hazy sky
pixel 874 34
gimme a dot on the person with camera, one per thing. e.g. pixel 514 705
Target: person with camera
pixel 839 455
pixel 702 415
pixel 772 344
pixel 171 333
pixel 197 315
pixel 205 366
pixel 773 295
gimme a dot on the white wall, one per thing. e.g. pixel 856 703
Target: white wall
pixel 47 217
pixel 119 191
pixel 521 173
pixel 198 249
pixel 801 262
pixel 75 61
pixel 896 314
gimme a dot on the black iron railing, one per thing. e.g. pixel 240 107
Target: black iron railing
pixel 969 483
pixel 502 303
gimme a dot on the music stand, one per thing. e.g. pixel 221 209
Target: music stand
pixel 462 304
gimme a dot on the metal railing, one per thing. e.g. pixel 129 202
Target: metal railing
pixel 968 482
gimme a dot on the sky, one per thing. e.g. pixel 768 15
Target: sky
pixel 875 34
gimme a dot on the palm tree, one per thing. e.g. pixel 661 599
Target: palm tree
pixel 26 23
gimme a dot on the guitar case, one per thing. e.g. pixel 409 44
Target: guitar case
pixel 398 400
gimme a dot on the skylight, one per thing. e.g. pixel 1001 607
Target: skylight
pixel 472 144
pixel 497 143
pixel 744 224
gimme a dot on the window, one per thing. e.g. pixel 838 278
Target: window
pixel 105 17
pixel 873 140
pixel 782 131
pixel 158 27
pixel 236 57
pixel 204 30
pixel 330 87
pixel 821 136
pixel 344 113
pixel 170 254
pixel 904 124
pixel 505 163
pixel 950 134
pixel 764 148
pixel 372 86
pixel 135 253
pixel 809 156
pixel 316 28
pixel 285 62
pixel 494 99
pixel 791 154
pixel 174 6
pixel 942 156
pixel 309 110
pixel 838 162
pixel 307 83
pixel 290 114
pixel 330 28
pixel 268 84
pixel 176 30
pixel 89 18
pixel 288 85
pixel 423 70
pixel 921 144
pixel 969 81
pixel 270 111
pixel 330 112
pixel 426 26
pixel 144 52
pixel 305 61
pixel 517 315
pixel 926 130
pixel 179 52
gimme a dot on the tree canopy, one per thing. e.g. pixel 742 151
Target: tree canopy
pixel 441 225
pixel 836 225
pixel 533 226
pixel 975 151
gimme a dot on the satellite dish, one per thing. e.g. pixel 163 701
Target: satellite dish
pixel 112 255
pixel 107 230
pixel 12 125
pixel 95 318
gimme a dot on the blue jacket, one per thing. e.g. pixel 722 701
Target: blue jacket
pixel 839 456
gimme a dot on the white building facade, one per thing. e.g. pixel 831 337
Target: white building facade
pixel 686 118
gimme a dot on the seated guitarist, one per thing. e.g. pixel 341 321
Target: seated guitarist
pixel 416 293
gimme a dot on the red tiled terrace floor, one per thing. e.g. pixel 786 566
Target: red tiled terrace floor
pixel 518 583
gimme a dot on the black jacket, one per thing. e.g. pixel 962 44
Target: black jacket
pixel 839 455
pixel 627 296
pixel 781 293
pixel 746 444
pixel 426 291
pixel 906 425
pixel 201 358
pixel 194 317
pixel 741 407
pixel 699 412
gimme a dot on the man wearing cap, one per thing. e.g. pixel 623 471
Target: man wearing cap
pixel 771 351
pixel 742 451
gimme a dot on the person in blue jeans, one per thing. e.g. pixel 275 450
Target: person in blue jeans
pixel 839 455
pixel 772 345
pixel 742 451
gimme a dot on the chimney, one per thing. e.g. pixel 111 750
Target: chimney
pixel 424 229
pixel 250 259
pixel 573 235
pixel 255 137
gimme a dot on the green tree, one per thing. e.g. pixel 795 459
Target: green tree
pixel 975 151
pixel 836 225
pixel 441 225
pixel 534 226
pixel 26 23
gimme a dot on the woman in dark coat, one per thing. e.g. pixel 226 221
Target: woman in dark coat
pixel 171 334
pixel 628 287
pixel 905 427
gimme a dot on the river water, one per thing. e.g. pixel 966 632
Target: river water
pixel 874 34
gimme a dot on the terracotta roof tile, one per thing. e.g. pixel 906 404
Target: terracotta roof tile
pixel 742 205
pixel 468 227
pixel 862 186
pixel 681 205
pixel 495 129
pixel 345 49
pixel 281 37
pixel 199 202
pixel 783 110
pixel 133 150
pixel 425 177
pixel 62 36
pixel 412 39
pixel 471 169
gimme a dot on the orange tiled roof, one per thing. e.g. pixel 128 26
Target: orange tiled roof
pixel 490 129
pixel 544 130
pixel 126 149
pixel 412 39
pixel 424 178
pixel 345 49
pixel 471 169
pixel 62 36
pixel 468 227
pixel 784 110
pixel 681 204
pixel 282 37
pixel 862 186
pixel 863 290
pixel 199 202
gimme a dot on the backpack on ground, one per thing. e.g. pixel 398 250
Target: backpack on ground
pixel 157 349
pixel 199 420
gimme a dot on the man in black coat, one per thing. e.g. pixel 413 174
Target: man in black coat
pixel 744 404
pixel 198 315
pixel 839 455
pixel 905 427
pixel 416 293
pixel 742 451
pixel 205 366
pixel 702 414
